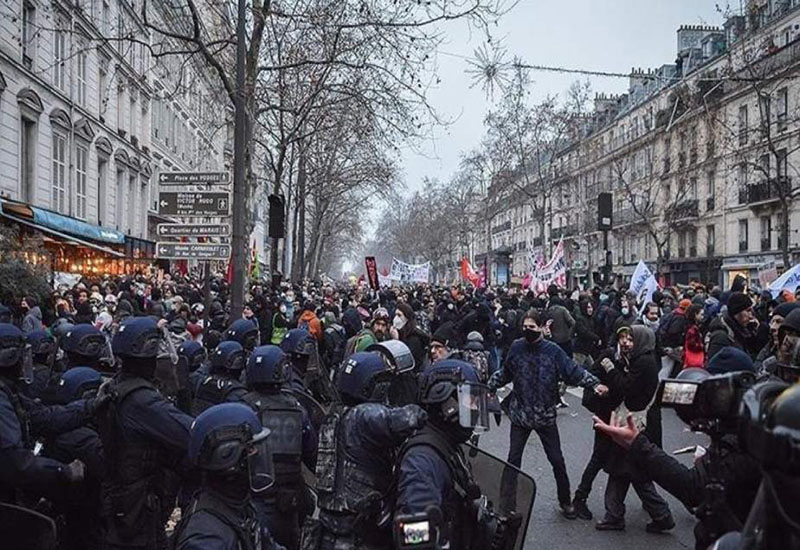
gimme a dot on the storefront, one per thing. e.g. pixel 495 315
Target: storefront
pixel 748 266
pixel 74 246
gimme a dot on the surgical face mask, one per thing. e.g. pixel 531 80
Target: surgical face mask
pixel 398 322
pixel 625 311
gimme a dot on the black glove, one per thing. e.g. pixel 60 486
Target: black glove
pixel 74 472
pixel 98 403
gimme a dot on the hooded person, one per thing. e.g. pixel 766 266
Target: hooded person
pixel 32 319
pixel 308 320
pixel 737 327
pixel 632 380
pixel 777 318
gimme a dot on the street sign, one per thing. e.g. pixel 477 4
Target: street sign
pixel 193 230
pixel 188 203
pixel 194 178
pixel 193 251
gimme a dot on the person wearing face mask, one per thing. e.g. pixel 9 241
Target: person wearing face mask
pixel 405 324
pixel 627 315
pixel 536 366
pixel 280 324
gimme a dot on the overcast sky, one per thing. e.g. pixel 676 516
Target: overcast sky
pixel 606 35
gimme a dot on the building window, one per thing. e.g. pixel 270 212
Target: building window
pixel 102 195
pixel 710 240
pixel 743 125
pixel 782 108
pixel 780 167
pixel 763 166
pixel 766 232
pixel 121 108
pixel 119 200
pixel 27 155
pixel 28 34
pixel 81 158
pixel 132 116
pixel 743 239
pixel 81 60
pixel 102 88
pixel 710 192
pixel 133 201
pixel 766 114
pixel 120 30
pixel 59 59
pixel 682 244
pixel 58 200
pixel 692 242
pixel 105 18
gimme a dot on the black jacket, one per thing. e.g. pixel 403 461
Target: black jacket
pixel 739 473
pixel 586 336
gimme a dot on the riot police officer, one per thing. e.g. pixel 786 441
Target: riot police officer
pixel 245 332
pixel 144 437
pixel 43 352
pixel 81 508
pixel 307 376
pixel 355 456
pixel 434 485
pixel 229 445
pixel 85 346
pixel 23 419
pixel 196 359
pixel 222 384
pixel 293 441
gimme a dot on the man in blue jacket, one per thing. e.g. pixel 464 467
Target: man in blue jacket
pixel 536 366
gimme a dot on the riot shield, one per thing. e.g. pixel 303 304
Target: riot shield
pixel 25 529
pixel 316 411
pixel 507 488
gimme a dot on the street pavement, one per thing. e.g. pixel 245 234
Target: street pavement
pixel 548 529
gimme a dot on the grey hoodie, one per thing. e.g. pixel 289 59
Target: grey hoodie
pixel 32 320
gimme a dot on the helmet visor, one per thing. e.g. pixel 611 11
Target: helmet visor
pixel 473 410
pixel 259 463
pixel 27 364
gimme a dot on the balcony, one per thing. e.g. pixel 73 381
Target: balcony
pixel 502 227
pixel 710 204
pixel 765 191
pixel 682 210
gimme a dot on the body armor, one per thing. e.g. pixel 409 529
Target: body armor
pixel 457 507
pixel 132 492
pixel 243 523
pixel 213 390
pixel 353 493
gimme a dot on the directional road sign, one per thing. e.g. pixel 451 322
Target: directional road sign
pixel 194 230
pixel 194 178
pixel 193 251
pixel 188 203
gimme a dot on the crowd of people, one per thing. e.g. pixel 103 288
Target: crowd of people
pixel 127 404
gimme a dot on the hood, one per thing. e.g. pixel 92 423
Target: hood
pixel 36 312
pixel 644 340
pixel 307 316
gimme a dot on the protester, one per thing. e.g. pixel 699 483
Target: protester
pixel 693 346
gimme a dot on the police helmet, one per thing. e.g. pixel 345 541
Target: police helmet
pixel 452 389
pixel 137 337
pixel 84 340
pixel 12 345
pixel 228 357
pixel 364 376
pixel 396 353
pixel 224 436
pixel 77 383
pixel 298 341
pixel 268 365
pixel 194 352
pixel 243 331
pixel 61 327
pixel 42 344
pixel 770 427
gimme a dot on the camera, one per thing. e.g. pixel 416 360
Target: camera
pixel 704 402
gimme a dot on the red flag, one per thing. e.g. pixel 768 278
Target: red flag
pixel 372 272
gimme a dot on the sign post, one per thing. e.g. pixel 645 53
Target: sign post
pixel 194 204
pixel 193 230
pixel 193 251
pixel 194 178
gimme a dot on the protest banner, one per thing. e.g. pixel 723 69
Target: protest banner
pixel 409 273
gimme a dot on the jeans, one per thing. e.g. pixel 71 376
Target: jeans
pixel 551 442
pixel 617 489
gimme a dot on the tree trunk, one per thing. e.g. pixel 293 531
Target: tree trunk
pixel 301 208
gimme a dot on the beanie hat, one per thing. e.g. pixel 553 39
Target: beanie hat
pixel 738 302
pixel 685 303
pixel 474 336
pixel 443 334
pixel 730 359
pixel 785 308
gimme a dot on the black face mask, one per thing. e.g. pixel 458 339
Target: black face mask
pixel 531 335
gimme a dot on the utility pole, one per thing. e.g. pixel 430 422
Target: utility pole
pixel 239 182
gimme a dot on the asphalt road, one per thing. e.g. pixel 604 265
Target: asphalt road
pixel 549 529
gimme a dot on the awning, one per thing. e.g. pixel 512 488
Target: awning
pixel 62 224
pixel 68 239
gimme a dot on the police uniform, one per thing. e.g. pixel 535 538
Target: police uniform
pixel 144 437
pixel 222 385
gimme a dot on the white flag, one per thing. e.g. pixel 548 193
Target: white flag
pixel 788 281
pixel 643 283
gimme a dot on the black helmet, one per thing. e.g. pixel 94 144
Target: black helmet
pixel 245 332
